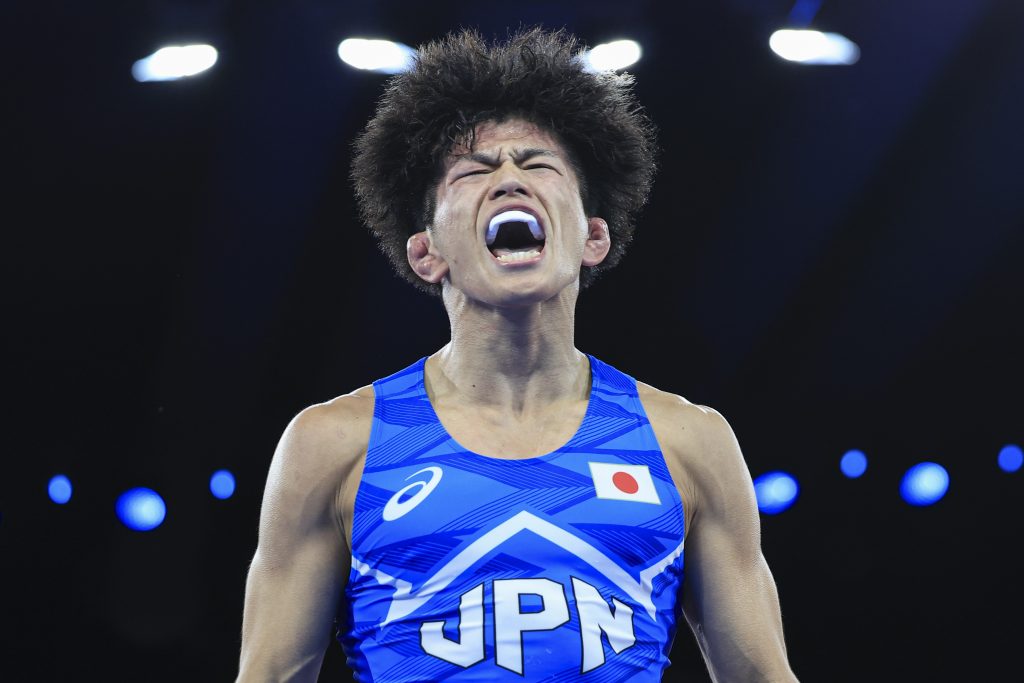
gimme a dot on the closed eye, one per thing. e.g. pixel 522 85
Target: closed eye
pixel 479 171
pixel 533 166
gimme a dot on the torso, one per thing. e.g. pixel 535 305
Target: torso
pixel 488 436
pixel 670 415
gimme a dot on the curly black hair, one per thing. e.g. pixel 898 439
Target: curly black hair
pixel 461 81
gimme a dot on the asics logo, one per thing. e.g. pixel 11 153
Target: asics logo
pixel 397 507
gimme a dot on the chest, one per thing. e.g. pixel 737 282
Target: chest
pixel 595 471
pixel 499 435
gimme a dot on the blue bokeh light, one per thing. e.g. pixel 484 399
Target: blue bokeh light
pixel 1011 457
pixel 59 489
pixel 853 463
pixel 141 509
pixel 924 484
pixel 776 492
pixel 222 484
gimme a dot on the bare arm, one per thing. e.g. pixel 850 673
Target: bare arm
pixel 730 599
pixel 302 558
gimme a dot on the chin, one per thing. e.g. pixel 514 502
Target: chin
pixel 515 290
pixel 515 295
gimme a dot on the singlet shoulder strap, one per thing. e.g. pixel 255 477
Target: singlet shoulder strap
pixel 402 384
pixel 614 387
pixel 614 395
pixel 610 380
pixel 400 404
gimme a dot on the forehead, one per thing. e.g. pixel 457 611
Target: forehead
pixel 505 137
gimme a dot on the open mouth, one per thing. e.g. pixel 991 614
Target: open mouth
pixel 514 236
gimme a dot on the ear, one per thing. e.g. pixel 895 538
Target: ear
pixel 424 259
pixel 599 241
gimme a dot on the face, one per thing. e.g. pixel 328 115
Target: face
pixel 509 226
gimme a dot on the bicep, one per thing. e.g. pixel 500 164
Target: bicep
pixel 295 578
pixel 730 599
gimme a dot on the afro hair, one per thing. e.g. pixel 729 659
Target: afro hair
pixel 461 81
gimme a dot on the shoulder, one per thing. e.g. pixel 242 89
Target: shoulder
pixel 340 419
pixel 327 439
pixel 699 446
pixel 316 465
pixel 685 424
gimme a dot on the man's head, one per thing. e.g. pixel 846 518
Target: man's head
pixel 430 117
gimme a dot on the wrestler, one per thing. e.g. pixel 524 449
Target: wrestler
pixel 508 508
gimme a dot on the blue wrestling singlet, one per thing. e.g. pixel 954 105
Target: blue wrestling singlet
pixel 562 567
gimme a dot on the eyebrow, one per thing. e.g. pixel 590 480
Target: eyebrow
pixel 518 156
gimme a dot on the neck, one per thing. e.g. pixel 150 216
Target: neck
pixel 520 360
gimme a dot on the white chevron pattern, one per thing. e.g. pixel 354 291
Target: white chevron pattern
pixel 405 601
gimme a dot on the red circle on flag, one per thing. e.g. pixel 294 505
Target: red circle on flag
pixel 625 482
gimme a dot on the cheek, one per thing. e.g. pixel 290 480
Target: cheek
pixel 443 229
pixel 574 206
pixel 442 214
pixel 454 216
pixel 575 221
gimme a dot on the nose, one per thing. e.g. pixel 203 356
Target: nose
pixel 509 182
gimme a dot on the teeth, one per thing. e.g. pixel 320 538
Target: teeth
pixel 518 255
pixel 509 217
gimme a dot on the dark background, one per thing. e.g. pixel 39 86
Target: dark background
pixel 831 257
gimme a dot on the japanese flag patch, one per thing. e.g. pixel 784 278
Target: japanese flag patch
pixel 623 482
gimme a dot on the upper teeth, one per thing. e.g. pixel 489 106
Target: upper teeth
pixel 510 217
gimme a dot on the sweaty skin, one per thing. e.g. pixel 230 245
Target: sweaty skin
pixel 509 384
